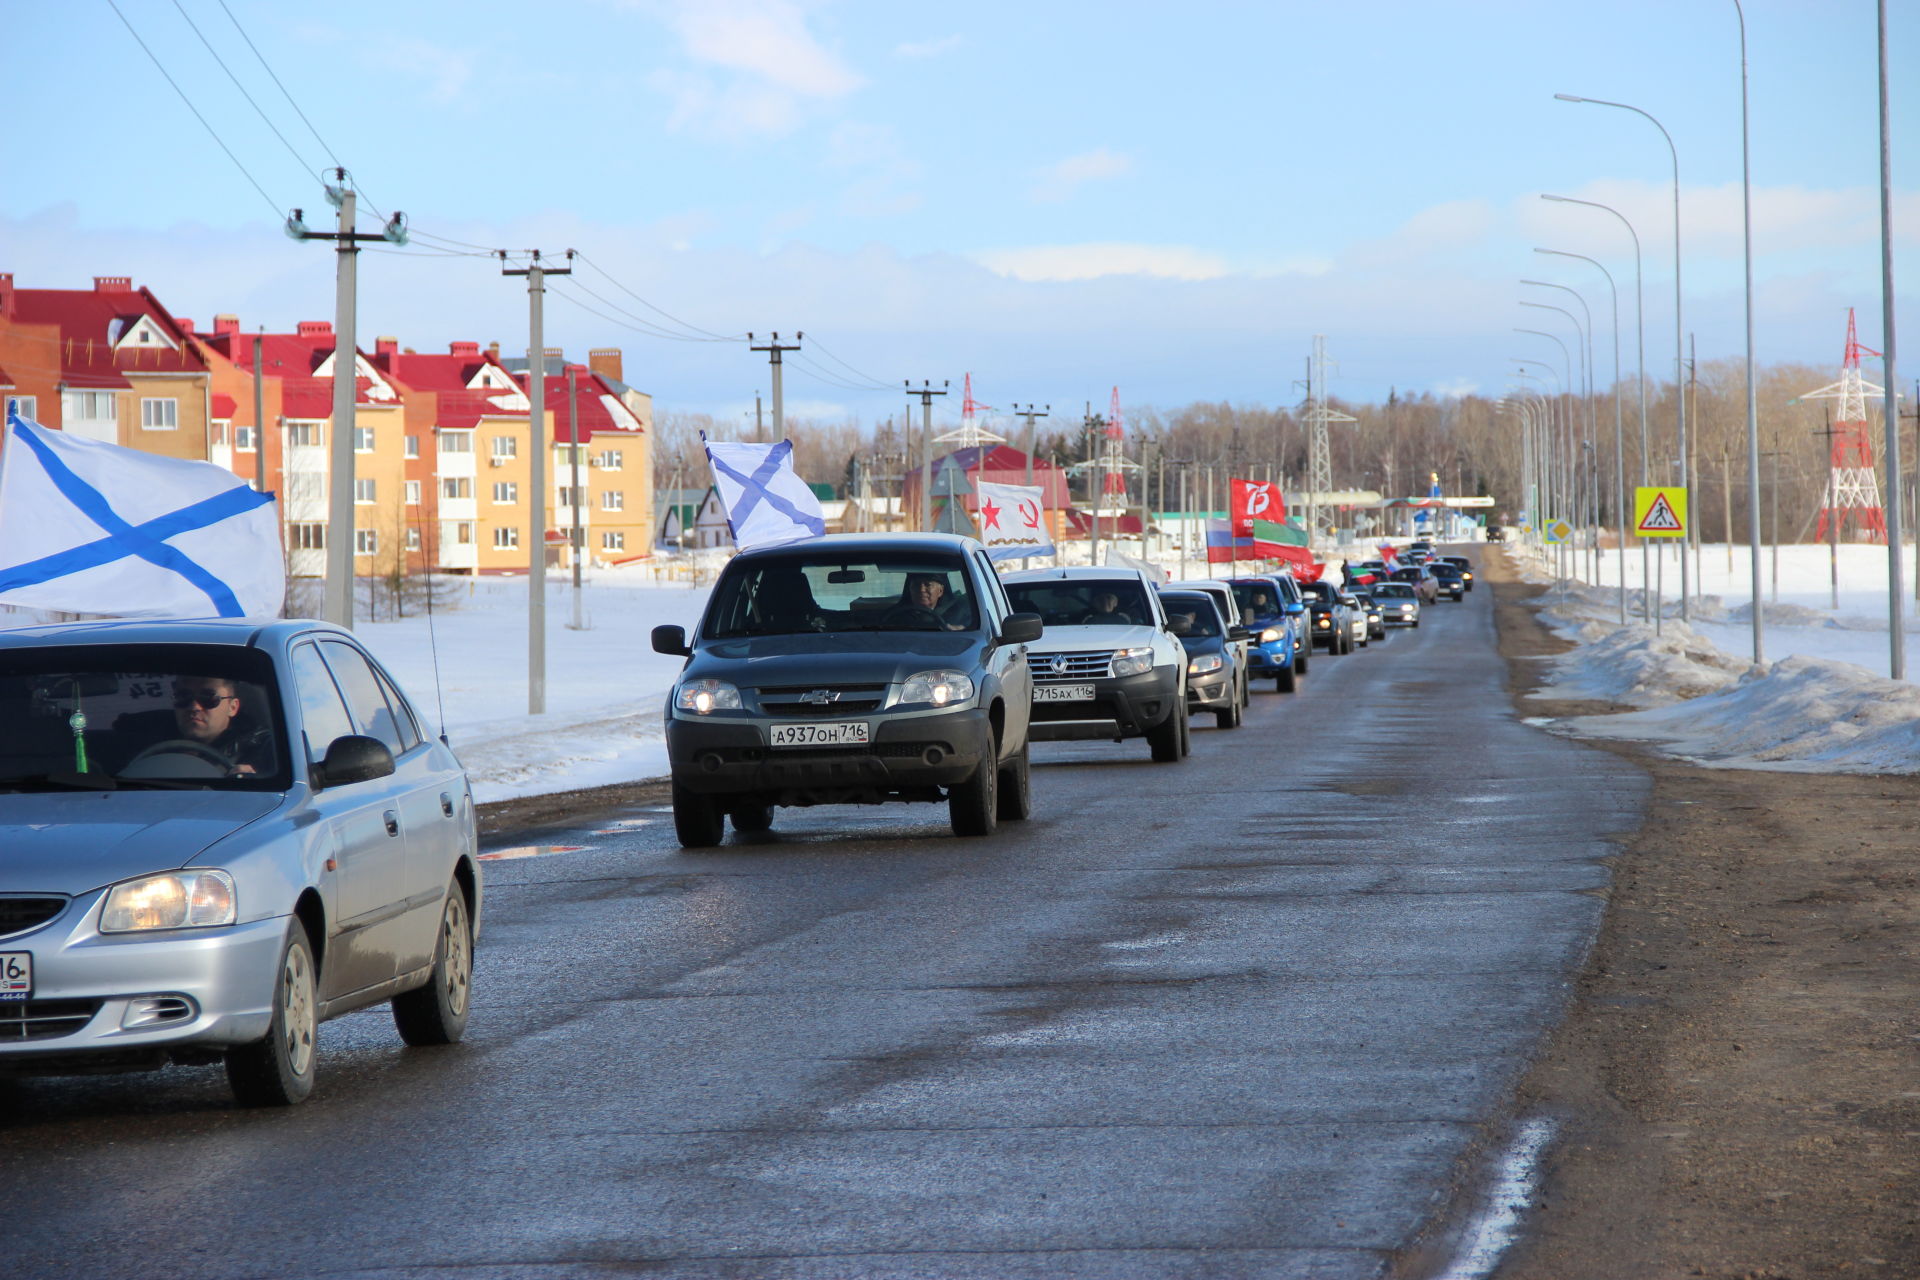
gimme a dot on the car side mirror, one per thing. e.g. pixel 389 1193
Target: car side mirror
pixel 353 757
pixel 1021 628
pixel 1296 610
pixel 1239 633
pixel 671 639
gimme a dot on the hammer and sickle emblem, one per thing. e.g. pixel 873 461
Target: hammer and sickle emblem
pixel 1029 513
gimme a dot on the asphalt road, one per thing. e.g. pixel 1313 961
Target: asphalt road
pixel 1239 1016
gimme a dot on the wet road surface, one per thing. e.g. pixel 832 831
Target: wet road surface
pixel 1239 1016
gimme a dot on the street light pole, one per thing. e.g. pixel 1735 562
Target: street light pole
pixel 1586 336
pixel 1620 507
pixel 1896 628
pixel 1648 612
pixel 1753 409
pixel 1566 389
pixel 1679 328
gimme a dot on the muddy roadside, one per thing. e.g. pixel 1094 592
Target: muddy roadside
pixel 1737 1082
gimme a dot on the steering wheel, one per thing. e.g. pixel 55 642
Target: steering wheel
pixel 922 618
pixel 182 746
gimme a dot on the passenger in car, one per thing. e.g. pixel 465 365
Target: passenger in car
pixel 784 602
pixel 1106 611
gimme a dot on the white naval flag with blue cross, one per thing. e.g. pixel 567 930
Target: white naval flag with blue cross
pixel 767 502
pixel 90 527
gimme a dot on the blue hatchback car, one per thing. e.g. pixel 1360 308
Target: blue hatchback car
pixel 1281 645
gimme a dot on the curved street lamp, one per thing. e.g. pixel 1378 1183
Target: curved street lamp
pixel 1586 339
pixel 1619 433
pixel 1679 329
pixel 1560 490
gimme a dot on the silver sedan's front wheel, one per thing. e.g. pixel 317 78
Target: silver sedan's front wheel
pixel 277 1070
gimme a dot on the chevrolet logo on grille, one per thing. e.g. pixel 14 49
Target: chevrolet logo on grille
pixel 821 697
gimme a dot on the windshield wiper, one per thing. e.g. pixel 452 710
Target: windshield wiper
pixel 164 784
pixel 60 781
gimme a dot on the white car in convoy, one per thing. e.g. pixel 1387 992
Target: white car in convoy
pixel 1107 666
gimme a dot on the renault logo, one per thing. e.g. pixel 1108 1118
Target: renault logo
pixel 821 697
pixel 1058 664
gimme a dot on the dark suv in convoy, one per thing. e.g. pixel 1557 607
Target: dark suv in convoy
pixel 851 669
pixel 1332 616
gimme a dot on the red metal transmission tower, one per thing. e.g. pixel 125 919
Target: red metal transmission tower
pixel 1853 490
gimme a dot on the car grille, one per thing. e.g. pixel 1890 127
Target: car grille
pixel 1056 668
pixel 17 915
pixel 785 700
pixel 44 1019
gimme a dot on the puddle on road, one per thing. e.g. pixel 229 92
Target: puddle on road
pixel 530 851
pixel 1539 722
pixel 622 826
pixel 1494 1229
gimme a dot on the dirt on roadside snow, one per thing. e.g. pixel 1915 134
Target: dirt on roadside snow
pixel 1737 1081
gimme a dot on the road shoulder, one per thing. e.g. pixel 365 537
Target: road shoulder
pixel 1736 1078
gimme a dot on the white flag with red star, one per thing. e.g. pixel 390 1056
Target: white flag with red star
pixel 1012 520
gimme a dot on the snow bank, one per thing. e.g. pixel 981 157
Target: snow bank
pixel 1809 715
pixel 1633 665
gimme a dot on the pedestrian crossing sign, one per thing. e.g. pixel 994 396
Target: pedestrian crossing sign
pixel 1660 511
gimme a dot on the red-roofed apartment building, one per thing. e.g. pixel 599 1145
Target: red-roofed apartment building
pixel 109 363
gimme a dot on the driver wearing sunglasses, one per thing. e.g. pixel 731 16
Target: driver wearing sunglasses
pixel 205 709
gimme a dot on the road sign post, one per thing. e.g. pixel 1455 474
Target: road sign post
pixel 1660 511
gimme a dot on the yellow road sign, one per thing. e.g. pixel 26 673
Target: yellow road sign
pixel 1558 531
pixel 1660 512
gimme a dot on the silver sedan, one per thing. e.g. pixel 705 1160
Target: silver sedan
pixel 213 836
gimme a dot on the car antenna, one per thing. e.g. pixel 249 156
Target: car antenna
pixel 433 645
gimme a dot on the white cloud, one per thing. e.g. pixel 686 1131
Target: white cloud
pixel 445 72
pixel 928 48
pixel 758 68
pixel 1091 261
pixel 1058 182
pixel 1455 388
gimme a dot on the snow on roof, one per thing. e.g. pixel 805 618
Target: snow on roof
pixel 91 321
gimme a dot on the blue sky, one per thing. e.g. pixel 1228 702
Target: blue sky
pixel 1059 197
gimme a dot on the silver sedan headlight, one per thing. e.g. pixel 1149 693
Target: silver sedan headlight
pixel 1133 662
pixel 173 900
pixel 941 688
pixel 702 696
pixel 1204 663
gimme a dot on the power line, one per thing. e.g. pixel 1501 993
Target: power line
pixel 878 385
pixel 161 67
pixel 708 333
pixel 298 159
pixel 283 88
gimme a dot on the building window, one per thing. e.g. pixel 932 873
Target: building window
pixel 610 460
pixel 307 537
pixel 27 407
pixel 413 493
pixel 366 542
pixel 413 539
pixel 303 434
pixel 504 447
pixel 246 438
pixel 455 442
pixel 363 491
pixel 217 433
pixel 506 493
pixel 506 539
pixel 613 540
pixel 563 455
pixel 569 496
pixel 413 446
pixel 456 487
pixel 160 415
pixel 613 500
pixel 463 533
pixel 363 439
pixel 91 406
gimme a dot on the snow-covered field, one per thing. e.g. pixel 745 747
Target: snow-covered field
pixel 1822 701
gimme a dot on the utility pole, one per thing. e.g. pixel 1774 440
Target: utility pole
pixel 260 418
pixel 1319 459
pixel 1030 413
pixel 1833 505
pixel 773 350
pixel 340 530
pixel 926 391
pixel 759 425
pixel 1773 510
pixel 536 273
pixel 579 538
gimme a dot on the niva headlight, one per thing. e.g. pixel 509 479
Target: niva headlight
pixel 702 696
pixel 174 900
pixel 1133 662
pixel 941 688
pixel 1270 635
